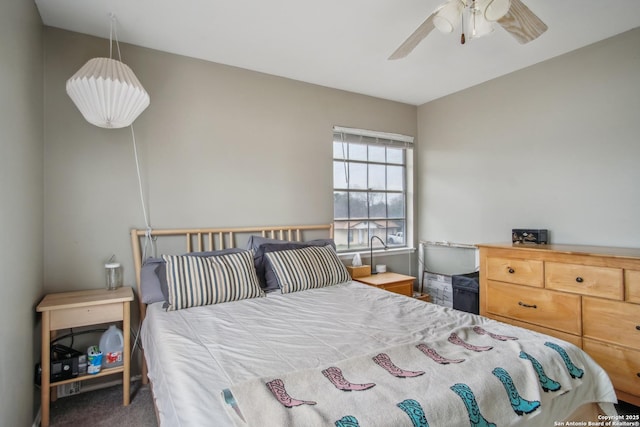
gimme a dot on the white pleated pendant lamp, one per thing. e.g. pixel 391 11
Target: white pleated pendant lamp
pixel 107 93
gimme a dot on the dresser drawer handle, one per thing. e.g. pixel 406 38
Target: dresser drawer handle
pixel 638 327
pixel 511 270
pixel 527 305
pixel 579 279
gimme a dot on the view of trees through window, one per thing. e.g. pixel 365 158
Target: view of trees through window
pixel 369 195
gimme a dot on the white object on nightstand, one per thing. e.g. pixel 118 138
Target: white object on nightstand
pixel 357 261
pixel 69 389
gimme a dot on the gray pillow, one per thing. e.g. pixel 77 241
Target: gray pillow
pixel 261 245
pixel 153 275
pixel 150 286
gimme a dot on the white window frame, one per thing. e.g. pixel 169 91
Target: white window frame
pixel 370 137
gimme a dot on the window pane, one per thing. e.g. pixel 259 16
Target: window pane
pixel 395 155
pixel 358 176
pixel 395 203
pixel 396 233
pixel 377 205
pixel 379 230
pixel 341 235
pixel 376 153
pixel 377 179
pixel 339 150
pixel 358 236
pixel 340 205
pixel 340 174
pixel 358 152
pixel 358 205
pixel 395 178
pixel 369 193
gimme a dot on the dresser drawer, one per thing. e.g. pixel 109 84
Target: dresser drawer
pixel 513 270
pixel 392 282
pixel 86 315
pixel 611 321
pixel 622 365
pixel 555 310
pixel 573 339
pixel 632 286
pixel 603 282
pixel 405 288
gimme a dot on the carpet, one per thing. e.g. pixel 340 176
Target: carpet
pixel 104 408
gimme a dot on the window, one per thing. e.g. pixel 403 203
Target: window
pixel 370 188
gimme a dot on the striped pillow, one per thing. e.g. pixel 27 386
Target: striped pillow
pixel 307 268
pixel 194 281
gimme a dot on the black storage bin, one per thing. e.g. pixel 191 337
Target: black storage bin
pixel 465 292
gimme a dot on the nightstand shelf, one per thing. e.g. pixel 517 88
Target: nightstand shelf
pixel 103 373
pixel 84 308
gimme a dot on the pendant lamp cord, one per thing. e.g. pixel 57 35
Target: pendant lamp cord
pixel 149 242
pixel 113 34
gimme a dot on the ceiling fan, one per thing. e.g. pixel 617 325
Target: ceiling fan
pixel 477 17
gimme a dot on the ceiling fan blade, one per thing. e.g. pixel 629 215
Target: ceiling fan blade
pixel 521 23
pixel 414 39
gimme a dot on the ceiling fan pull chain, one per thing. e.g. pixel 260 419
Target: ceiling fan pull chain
pixel 462 38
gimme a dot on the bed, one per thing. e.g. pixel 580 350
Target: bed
pixel 274 333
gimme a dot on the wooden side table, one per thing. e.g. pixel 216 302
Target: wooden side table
pixel 83 308
pixel 392 282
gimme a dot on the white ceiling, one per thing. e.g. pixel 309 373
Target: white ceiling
pixel 342 44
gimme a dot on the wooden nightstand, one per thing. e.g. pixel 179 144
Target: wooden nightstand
pixel 392 282
pixel 83 308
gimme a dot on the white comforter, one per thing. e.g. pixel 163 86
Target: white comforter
pixel 194 354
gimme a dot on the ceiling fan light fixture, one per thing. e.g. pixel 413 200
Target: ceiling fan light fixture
pixel 448 15
pixel 478 26
pixel 494 9
pixel 520 22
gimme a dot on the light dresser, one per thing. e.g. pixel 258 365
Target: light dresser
pixel 587 295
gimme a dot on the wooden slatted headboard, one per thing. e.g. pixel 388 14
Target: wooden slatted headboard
pixel 210 239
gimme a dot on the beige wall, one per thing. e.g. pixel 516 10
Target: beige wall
pixel 552 146
pixel 219 146
pixel 20 207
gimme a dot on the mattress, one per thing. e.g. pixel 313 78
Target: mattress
pixel 196 353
